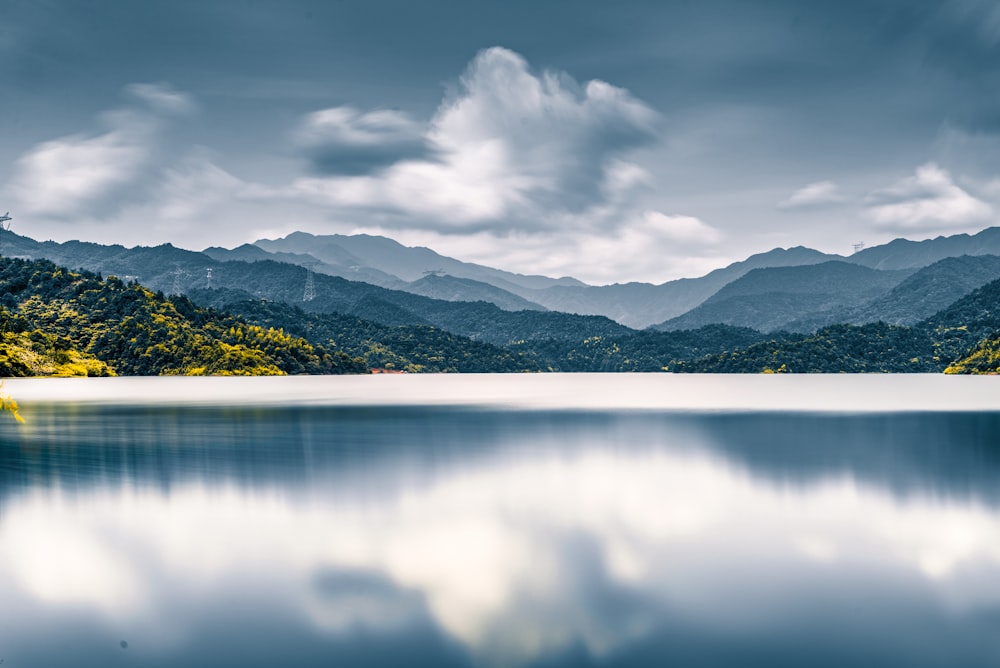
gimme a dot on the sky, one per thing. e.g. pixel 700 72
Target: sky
pixel 611 141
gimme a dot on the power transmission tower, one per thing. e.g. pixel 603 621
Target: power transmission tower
pixel 175 289
pixel 858 246
pixel 4 227
pixel 208 278
pixel 310 292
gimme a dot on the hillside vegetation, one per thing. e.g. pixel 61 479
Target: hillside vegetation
pixel 412 348
pixel 962 338
pixel 58 322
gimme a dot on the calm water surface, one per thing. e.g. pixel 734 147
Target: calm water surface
pixel 391 535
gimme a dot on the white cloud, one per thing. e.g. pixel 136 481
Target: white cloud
pixel 649 246
pixel 927 201
pixel 201 204
pixel 679 229
pixel 511 150
pixel 67 176
pixel 819 194
pixel 94 175
pixel 525 171
pixel 654 247
pixel 623 180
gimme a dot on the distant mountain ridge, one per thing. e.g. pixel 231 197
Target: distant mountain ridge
pixel 640 305
pixel 775 298
pixel 690 302
pixel 405 262
pixel 637 305
pixel 906 254
pixel 807 298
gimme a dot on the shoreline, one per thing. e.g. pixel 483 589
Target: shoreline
pixel 818 393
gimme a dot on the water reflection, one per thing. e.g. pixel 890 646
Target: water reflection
pixel 309 536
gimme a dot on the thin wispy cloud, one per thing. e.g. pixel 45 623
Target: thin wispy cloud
pixel 815 195
pixel 162 97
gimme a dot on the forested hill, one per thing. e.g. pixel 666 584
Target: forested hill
pixel 424 348
pixel 962 338
pixel 58 322
pixel 411 348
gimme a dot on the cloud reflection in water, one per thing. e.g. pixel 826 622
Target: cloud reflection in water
pixel 554 536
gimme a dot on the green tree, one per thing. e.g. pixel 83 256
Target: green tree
pixel 8 405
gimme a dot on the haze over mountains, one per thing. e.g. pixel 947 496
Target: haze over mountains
pixel 797 289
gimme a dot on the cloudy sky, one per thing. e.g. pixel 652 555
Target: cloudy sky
pixel 612 141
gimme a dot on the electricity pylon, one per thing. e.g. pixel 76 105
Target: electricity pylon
pixel 175 289
pixel 309 293
pixel 4 227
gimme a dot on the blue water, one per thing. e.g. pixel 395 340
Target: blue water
pixel 435 536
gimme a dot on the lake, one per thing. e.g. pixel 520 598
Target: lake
pixel 544 520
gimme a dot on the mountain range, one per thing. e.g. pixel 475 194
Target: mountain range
pixel 796 289
pixel 795 309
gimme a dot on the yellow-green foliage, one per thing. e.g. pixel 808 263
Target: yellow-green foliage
pixel 9 405
pixel 40 354
pixel 62 323
pixel 985 359
pixel 225 359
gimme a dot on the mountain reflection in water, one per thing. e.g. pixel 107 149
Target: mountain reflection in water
pixel 305 536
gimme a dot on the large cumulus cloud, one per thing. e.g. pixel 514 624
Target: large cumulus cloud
pixel 532 171
pixel 510 149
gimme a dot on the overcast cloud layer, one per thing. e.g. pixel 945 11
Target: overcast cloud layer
pixel 634 141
